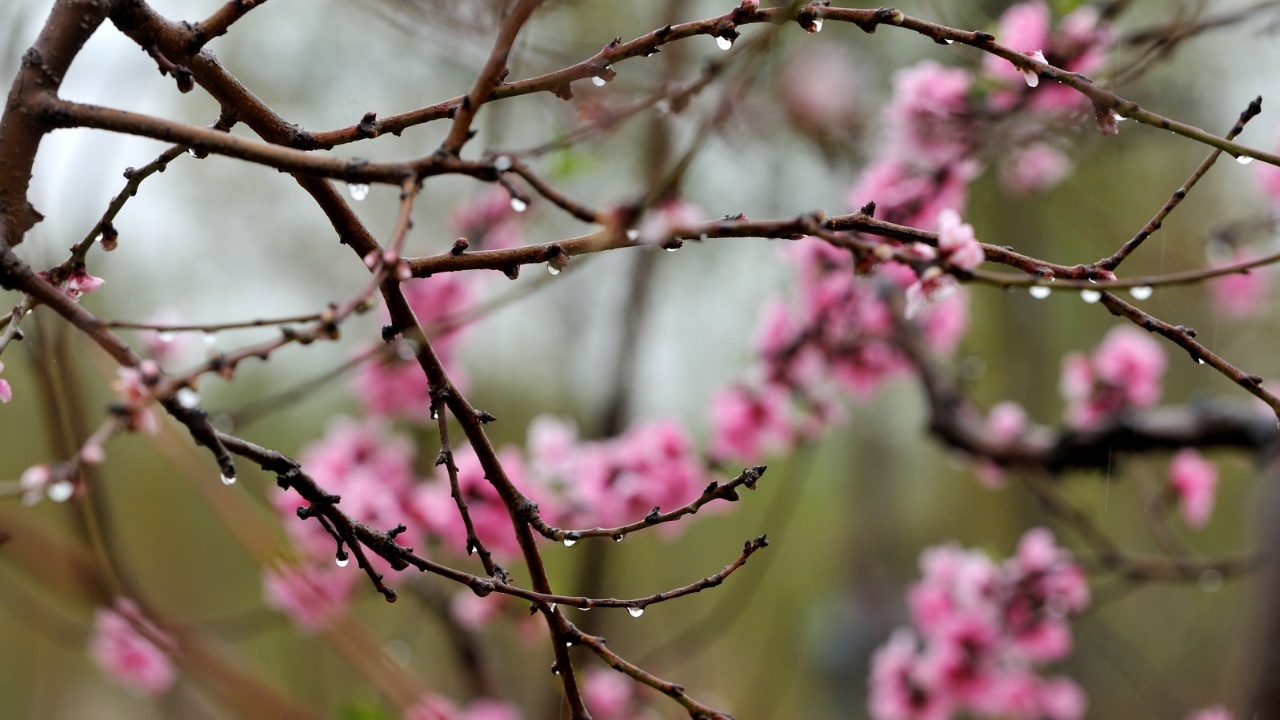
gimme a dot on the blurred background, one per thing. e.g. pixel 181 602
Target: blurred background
pixel 791 635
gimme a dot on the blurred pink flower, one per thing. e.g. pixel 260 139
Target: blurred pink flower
pixel 1033 169
pixel 1216 712
pixel 1124 372
pixel 957 243
pixel 312 597
pixel 435 707
pixel 6 392
pixel 820 91
pixel 609 694
pixel 1241 294
pixel 665 217
pixel 747 422
pixel 1195 483
pixel 133 386
pixel 927 114
pixel 433 505
pixel 132 650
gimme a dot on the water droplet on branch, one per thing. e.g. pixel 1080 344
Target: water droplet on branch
pixel 359 191
pixel 342 561
pixel 227 480
pixel 635 611
pixel 1039 292
pixel 187 397
pixel 570 542
pixel 1141 292
pixel 519 205
pixel 598 81
pixel 723 42
pixel 1244 159
pixel 1090 296
pixel 60 491
pixel 552 269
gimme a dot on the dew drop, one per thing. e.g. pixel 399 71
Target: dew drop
pixel 226 480
pixel 598 81
pixel 166 336
pixel 553 607
pixel 1141 292
pixel 633 235
pixel 635 611
pixel 187 397
pixel 193 153
pixel 553 269
pixel 210 339
pixel 60 491
pixel 617 538
pixel 1210 580
pixel 519 205
pixel 817 27
pixel 1199 361
pixel 570 542
pixel 342 561
pixel 1039 292
pixel 502 163
pixel 662 107
pixel 723 42
pixel 359 191
pixel 1244 159
pixel 672 249
pixel 1090 296
pixel 947 41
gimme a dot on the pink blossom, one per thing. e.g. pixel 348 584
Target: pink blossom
pixel 1123 373
pixel 312 597
pixel 34 482
pixel 746 423
pixel 927 114
pixel 365 464
pixel 608 694
pixel 665 218
pixel 1215 712
pixel 1241 294
pixel 1033 169
pixel 819 90
pixel 945 322
pixel 1062 699
pixel 166 348
pixel 1195 482
pixel 77 282
pixel 911 196
pixel 398 387
pixel 472 612
pixel 6 392
pixel 433 505
pixel 1006 421
pixel 132 650
pixel 957 243
pixel 134 388
pixel 896 691
pixel 435 707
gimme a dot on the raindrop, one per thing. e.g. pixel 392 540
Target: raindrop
pixel 633 235
pixel 1090 296
pixel 635 611
pixel 662 107
pixel 723 42
pixel 1210 580
pixel 570 542
pixel 553 607
pixel 210 339
pixel 228 480
pixel 673 248
pixel 342 561
pixel 502 163
pixel 192 152
pixel 817 27
pixel 598 81
pixel 1244 159
pixel 947 41
pixel 60 491
pixel 1039 292
pixel 359 191
pixel 553 269
pixel 617 538
pixel 1141 292
pixel 187 397
pixel 519 205
pixel 1199 361
pixel 166 336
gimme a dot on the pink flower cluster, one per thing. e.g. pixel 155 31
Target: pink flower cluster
pixel 1242 294
pixel 435 707
pixel 981 631
pixel 610 695
pixel 1078 46
pixel 1123 373
pixel 130 649
pixel 1194 482
pixel 6 392
pixel 398 387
